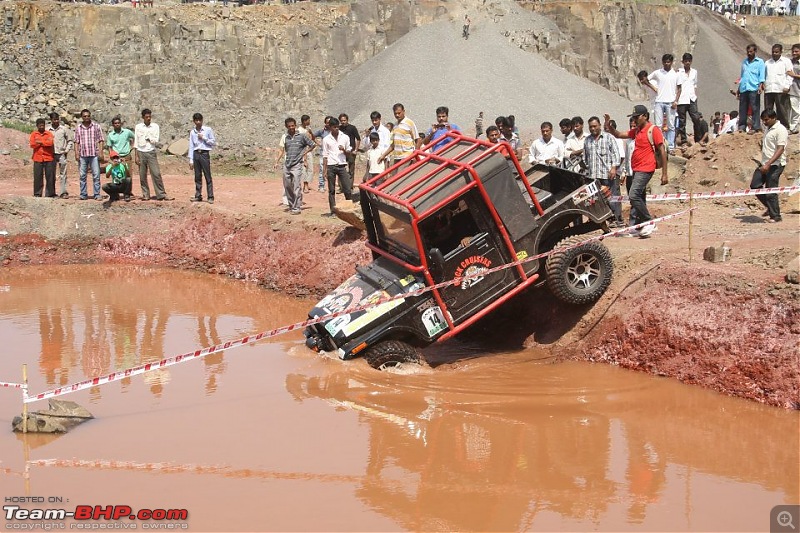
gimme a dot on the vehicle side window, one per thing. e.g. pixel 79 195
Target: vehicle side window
pixel 447 229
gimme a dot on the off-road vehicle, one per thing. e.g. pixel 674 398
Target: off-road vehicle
pixel 453 214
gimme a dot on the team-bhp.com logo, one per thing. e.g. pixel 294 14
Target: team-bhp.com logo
pixel 163 518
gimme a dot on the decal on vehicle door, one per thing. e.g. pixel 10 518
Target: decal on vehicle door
pixel 433 320
pixel 472 266
pixel 585 193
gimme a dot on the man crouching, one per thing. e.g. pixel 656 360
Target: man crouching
pixel 120 175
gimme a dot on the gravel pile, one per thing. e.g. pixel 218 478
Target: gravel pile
pixel 432 66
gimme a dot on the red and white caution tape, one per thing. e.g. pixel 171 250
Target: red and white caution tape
pixel 713 194
pixel 189 356
pixel 12 385
pixel 173 468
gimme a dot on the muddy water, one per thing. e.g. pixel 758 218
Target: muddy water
pixel 273 437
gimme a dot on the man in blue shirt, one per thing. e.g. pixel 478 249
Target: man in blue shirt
pixel 440 129
pixel 751 85
pixel 201 142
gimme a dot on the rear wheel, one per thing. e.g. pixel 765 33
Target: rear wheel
pixel 388 354
pixel 581 274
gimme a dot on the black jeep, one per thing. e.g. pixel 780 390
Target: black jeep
pixel 454 214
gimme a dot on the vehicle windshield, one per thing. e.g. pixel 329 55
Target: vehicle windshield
pixel 395 234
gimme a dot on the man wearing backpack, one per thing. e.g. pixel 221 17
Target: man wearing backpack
pixel 648 155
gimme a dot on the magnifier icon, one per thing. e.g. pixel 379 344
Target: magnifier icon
pixel 785 519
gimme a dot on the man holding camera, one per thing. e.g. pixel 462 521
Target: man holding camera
pixel 440 129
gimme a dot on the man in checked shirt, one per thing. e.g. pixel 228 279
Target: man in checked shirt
pixel 601 156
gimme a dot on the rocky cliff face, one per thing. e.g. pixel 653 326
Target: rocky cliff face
pixel 609 42
pixel 248 67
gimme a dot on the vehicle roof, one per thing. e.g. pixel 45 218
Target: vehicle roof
pixel 427 179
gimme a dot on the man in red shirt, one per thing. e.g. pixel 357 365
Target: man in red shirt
pixel 44 161
pixel 643 163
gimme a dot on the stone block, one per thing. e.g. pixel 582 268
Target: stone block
pixel 717 254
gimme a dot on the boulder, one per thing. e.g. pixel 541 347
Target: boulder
pixel 61 416
pixel 352 215
pixel 179 147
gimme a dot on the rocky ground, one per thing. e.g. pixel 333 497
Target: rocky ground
pixel 733 327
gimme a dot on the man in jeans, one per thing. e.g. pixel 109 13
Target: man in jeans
pixel 62 137
pixel 295 145
pixel 90 141
pixel 773 161
pixel 751 85
pixel 335 148
pixel 666 102
pixel 643 164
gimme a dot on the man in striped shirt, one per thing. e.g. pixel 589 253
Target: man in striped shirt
pixel 89 141
pixel 405 137
pixel 601 156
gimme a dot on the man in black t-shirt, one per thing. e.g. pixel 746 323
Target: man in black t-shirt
pixel 355 141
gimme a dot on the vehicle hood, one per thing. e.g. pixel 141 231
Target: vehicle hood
pixel 379 280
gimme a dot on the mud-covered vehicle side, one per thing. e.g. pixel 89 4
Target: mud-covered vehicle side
pixel 455 214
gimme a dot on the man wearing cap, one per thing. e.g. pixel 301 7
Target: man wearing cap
pixel 120 175
pixel 643 163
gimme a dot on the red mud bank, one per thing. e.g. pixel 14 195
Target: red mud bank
pixel 729 333
pixel 736 334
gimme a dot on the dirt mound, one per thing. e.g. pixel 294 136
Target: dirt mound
pixel 485 73
pixel 741 337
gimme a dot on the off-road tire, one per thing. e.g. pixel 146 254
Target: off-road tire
pixel 579 275
pixel 391 353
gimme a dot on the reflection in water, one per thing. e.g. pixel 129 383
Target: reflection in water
pixel 95 320
pixel 480 449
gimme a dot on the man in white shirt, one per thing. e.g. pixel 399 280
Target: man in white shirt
pixel 773 161
pixel 573 147
pixel 145 138
pixel 777 84
pixel 687 98
pixel 732 125
pixel 335 147
pixel 547 149
pixel 666 104
pixel 384 135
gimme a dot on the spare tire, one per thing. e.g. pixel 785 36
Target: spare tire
pixel 388 354
pixel 581 274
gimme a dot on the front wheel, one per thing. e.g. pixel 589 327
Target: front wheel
pixel 581 274
pixel 389 354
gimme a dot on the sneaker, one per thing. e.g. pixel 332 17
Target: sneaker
pixel 295 212
pixel 774 220
pixel 211 200
pixel 64 195
pixel 98 197
pixel 127 198
pixel 328 215
pixel 321 189
pixel 195 199
pixel 645 231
